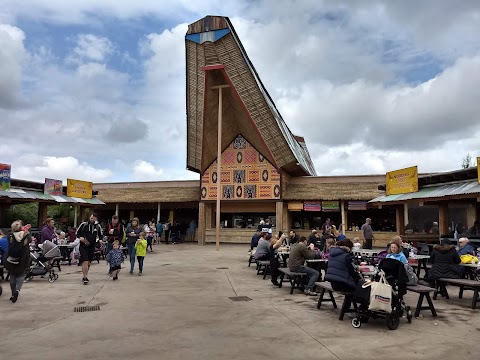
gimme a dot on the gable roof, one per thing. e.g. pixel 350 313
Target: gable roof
pixel 216 56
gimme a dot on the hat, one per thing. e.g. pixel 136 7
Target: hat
pixel 266 230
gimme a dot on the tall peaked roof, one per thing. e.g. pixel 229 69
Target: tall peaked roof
pixel 216 56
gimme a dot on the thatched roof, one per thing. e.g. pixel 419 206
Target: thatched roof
pixel 154 192
pixel 342 188
pixel 215 56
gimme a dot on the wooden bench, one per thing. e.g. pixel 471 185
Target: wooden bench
pixel 296 279
pixel 419 266
pixel 56 262
pixel 326 286
pixel 251 259
pixel 424 293
pixel 464 284
pixel 263 268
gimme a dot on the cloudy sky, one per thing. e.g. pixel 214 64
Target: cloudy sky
pixel 95 90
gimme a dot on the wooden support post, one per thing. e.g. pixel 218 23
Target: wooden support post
pixel 279 225
pixel 400 220
pixel 75 215
pixel 219 162
pixel 42 214
pixel 158 212
pixel 344 216
pixel 443 218
pixel 202 212
pixel 405 214
pixel 117 208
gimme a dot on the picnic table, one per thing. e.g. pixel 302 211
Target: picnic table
pixel 66 251
pixel 422 263
pixel 472 271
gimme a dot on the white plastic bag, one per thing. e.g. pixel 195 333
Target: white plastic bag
pixel 380 295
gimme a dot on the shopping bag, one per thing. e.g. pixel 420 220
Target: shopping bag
pixel 380 295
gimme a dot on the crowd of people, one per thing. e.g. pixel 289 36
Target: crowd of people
pixel 110 238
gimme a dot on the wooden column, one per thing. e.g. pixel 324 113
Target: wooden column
pixel 279 216
pixel 400 219
pixel 42 213
pixel 158 212
pixel 202 217
pixel 344 216
pixel 117 208
pixel 405 214
pixel 219 162
pixel 443 218
pixel 75 215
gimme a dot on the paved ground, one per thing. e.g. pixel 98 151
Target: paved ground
pixel 180 310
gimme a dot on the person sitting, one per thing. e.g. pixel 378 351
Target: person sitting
pixel 263 247
pixel 465 247
pixel 313 238
pixel 445 262
pixel 337 234
pixel 275 242
pixel 255 238
pixel 293 239
pixel 475 229
pixel 298 254
pixel 395 251
pixel 328 245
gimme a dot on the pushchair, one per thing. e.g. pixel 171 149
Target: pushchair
pixel 396 276
pixel 41 261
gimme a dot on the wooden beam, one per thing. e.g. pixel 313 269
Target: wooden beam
pixel 443 218
pixel 219 163
pixel 219 87
pixel 400 219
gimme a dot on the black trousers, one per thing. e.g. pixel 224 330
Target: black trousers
pixel 167 235
pixel 274 265
pixel 367 244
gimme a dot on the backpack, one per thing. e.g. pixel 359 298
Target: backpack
pixel 16 248
pixel 412 277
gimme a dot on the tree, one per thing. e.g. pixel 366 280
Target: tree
pixel 28 213
pixel 467 161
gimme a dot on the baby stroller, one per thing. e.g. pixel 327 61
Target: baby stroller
pixel 395 274
pixel 41 259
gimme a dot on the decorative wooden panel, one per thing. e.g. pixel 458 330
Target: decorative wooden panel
pixel 245 174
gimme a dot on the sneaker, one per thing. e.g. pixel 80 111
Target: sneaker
pixel 85 281
pixel 115 278
pixel 310 292
pixel 14 297
pixel 275 282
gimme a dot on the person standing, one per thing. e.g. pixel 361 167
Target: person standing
pixel 88 232
pixel 141 250
pixel 166 227
pixel 115 259
pixel 48 231
pixel 367 233
pixel 18 251
pixel 114 233
pixel 193 228
pixel 159 231
pixel 133 231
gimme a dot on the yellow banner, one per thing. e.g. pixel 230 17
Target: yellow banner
pixel 402 181
pixel 295 206
pixel 79 189
pixel 478 169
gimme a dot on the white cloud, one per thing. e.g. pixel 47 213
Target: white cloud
pixel 36 167
pixel 12 56
pixel 92 48
pixel 146 171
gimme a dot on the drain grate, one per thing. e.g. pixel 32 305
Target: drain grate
pixel 86 308
pixel 165 264
pixel 240 298
pixel 222 268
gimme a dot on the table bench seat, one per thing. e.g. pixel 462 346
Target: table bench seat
pixel 424 293
pixel 326 286
pixel 296 279
pixel 263 268
pixel 463 284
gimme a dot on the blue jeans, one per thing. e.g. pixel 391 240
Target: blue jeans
pixel 109 247
pixel 131 254
pixel 140 262
pixel 312 275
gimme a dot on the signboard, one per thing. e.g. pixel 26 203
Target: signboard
pixel 330 206
pixel 5 176
pixel 79 189
pixel 357 205
pixel 295 206
pixel 478 169
pixel 402 181
pixel 312 207
pixel 52 187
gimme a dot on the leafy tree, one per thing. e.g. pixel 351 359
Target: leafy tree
pixel 28 213
pixel 467 161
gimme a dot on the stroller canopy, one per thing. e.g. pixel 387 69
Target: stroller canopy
pixel 50 250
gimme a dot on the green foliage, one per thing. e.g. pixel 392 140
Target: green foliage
pixel 28 213
pixel 58 212
pixel 467 162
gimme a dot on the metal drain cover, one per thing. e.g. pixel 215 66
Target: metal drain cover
pixel 86 308
pixel 222 268
pixel 240 298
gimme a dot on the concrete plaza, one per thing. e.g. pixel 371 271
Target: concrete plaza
pixel 180 309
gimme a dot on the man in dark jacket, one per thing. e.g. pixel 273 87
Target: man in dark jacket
pixel 298 254
pixel 293 238
pixel 88 232
pixel 445 262
pixel 114 232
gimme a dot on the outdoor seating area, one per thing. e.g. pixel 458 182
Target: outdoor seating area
pixel 367 262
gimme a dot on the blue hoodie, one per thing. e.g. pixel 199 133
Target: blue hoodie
pixel 467 249
pixel 400 257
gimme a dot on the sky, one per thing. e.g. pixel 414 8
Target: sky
pixel 95 90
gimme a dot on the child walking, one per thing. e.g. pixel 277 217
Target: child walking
pixel 115 259
pixel 141 250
